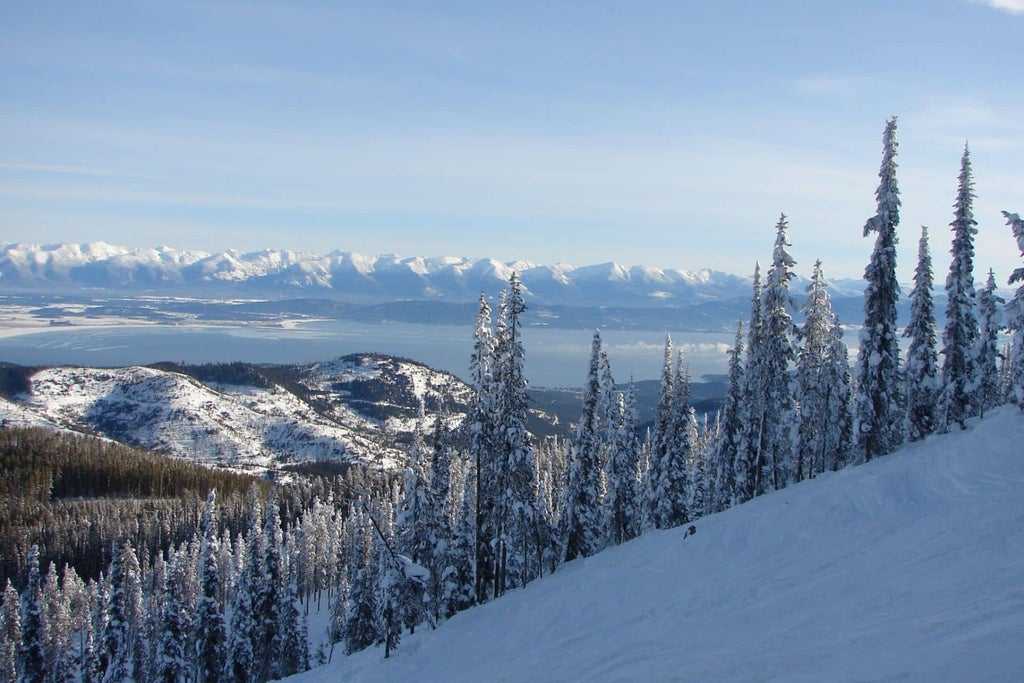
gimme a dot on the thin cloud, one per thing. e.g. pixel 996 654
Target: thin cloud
pixel 1011 6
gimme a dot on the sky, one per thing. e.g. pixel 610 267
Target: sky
pixel 669 134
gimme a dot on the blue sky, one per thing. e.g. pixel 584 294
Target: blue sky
pixel 663 133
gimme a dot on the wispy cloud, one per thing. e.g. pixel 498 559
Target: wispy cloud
pixel 1011 6
pixel 841 86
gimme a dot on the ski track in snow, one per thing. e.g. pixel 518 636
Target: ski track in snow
pixel 907 568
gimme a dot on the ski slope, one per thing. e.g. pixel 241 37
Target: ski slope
pixel 907 568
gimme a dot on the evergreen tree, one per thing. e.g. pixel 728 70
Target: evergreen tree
pixel 117 661
pixel 416 512
pixel 823 390
pixel 622 469
pixel 59 665
pixel 581 522
pixel 960 336
pixel 663 443
pixel 986 357
pixel 172 661
pixel 1015 317
pixel 749 456
pixel 210 632
pixel 779 352
pixel 921 370
pixel 517 519
pixel 482 420
pixel 245 627
pixel 879 403
pixel 32 655
pixel 361 630
pixel 10 633
pixel 729 475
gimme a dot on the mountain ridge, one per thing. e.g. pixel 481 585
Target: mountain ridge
pixel 354 277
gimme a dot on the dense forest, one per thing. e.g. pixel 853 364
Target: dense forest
pixel 485 508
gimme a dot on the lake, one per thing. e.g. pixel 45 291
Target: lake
pixel 554 358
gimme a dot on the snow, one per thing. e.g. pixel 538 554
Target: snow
pixel 905 568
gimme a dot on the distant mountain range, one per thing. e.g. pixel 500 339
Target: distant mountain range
pixel 355 278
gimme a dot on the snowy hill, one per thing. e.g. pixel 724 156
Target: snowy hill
pixel 907 568
pixel 351 277
pixel 359 408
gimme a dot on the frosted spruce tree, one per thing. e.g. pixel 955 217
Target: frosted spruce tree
pixel 518 515
pixel 172 663
pixel 10 633
pixel 581 520
pixel 960 336
pixel 749 459
pixel 778 354
pixel 727 470
pixel 986 354
pixel 622 471
pixel 416 510
pixel 661 438
pixel 482 421
pixel 210 631
pixel 823 386
pixel 922 367
pixel 1015 317
pixel 32 653
pixel 879 399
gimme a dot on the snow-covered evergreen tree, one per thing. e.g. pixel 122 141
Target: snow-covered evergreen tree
pixel 921 370
pixel 1015 316
pixel 210 632
pixel 668 488
pixel 10 633
pixel 749 457
pixel 879 400
pixel 986 355
pixel 32 655
pixel 517 519
pixel 361 630
pixel 172 657
pixel 728 474
pixel 481 417
pixel 823 385
pixel 778 354
pixel 59 665
pixel 415 526
pixel 581 523
pixel 960 336
pixel 622 470
pixel 124 609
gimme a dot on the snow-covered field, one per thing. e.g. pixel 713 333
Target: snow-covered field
pixel 908 568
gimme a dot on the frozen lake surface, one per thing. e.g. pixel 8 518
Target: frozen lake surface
pixel 554 357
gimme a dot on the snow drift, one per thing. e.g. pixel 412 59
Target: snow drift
pixel 909 567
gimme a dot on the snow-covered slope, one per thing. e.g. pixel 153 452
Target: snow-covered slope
pixel 359 408
pixel 907 568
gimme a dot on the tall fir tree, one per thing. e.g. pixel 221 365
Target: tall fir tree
pixel 1015 317
pixel 729 475
pixel 986 355
pixel 749 459
pixel 32 654
pixel 210 631
pixel 879 400
pixel 517 525
pixel 823 386
pixel 662 444
pixel 10 633
pixel 778 355
pixel 960 336
pixel 921 369
pixel 172 658
pixel 581 522
pixel 622 470
pixel 482 421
